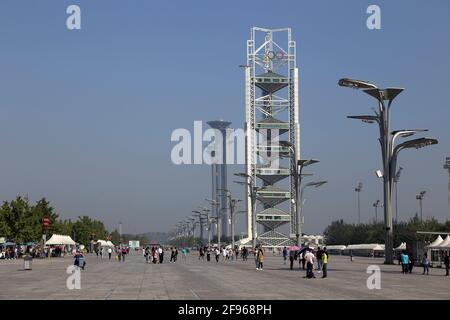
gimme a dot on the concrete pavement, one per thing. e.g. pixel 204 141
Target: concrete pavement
pixel 194 279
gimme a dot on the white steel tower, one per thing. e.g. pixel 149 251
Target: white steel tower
pixel 273 137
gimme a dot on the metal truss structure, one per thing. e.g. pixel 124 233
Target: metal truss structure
pixel 271 116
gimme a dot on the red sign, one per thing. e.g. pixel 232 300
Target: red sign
pixel 45 223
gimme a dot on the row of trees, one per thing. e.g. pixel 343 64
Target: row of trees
pixel 21 221
pixel 341 233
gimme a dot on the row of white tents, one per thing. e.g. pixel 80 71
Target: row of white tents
pixel 437 244
pixel 440 244
pixel 58 239
pixel 104 243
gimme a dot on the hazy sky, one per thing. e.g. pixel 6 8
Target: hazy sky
pixel 86 115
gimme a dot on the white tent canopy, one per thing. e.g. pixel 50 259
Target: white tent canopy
pixel 58 239
pixel 104 243
pixel 402 246
pixel 445 244
pixel 436 242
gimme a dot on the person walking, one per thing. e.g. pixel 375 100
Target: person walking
pixel 324 262
pixel 446 263
pixel 405 261
pixel 319 254
pixel 411 263
pixel 124 252
pixel 146 254
pixel 285 254
pixel 184 254
pixel 300 260
pixel 155 256
pixel 291 259
pixel 109 253
pixel 260 258
pixel 176 254
pixel 208 254
pixel 217 252
pixel 255 256
pixel 161 255
pixel 425 263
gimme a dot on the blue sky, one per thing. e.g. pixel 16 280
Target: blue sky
pixel 86 116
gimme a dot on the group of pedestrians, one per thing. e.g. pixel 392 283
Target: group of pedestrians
pixel 101 251
pixel 227 254
pixel 173 254
pixel 154 255
pixel 307 257
pixel 407 262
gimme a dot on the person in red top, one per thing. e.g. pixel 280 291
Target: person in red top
pixel 124 252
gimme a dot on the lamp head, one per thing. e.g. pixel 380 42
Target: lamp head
pixel 355 84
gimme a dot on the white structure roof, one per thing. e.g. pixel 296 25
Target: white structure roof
pixel 436 242
pixel 104 243
pixel 335 247
pixel 60 239
pixel 368 246
pixel 402 246
pixel 445 244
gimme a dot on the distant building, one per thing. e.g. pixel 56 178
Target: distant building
pixel 313 240
pixel 133 244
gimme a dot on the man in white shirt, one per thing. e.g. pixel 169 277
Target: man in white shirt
pixel 309 256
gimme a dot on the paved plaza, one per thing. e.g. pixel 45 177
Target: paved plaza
pixel 194 279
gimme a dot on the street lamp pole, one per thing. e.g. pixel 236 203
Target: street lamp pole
pixel 420 197
pixel 297 168
pixel 388 149
pixel 302 192
pixel 376 205
pixel 218 219
pixel 232 203
pixel 358 190
pixel 396 180
pixel 208 223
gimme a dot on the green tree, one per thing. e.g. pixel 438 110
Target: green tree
pixel 115 237
pixel 42 210
pixel 85 228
